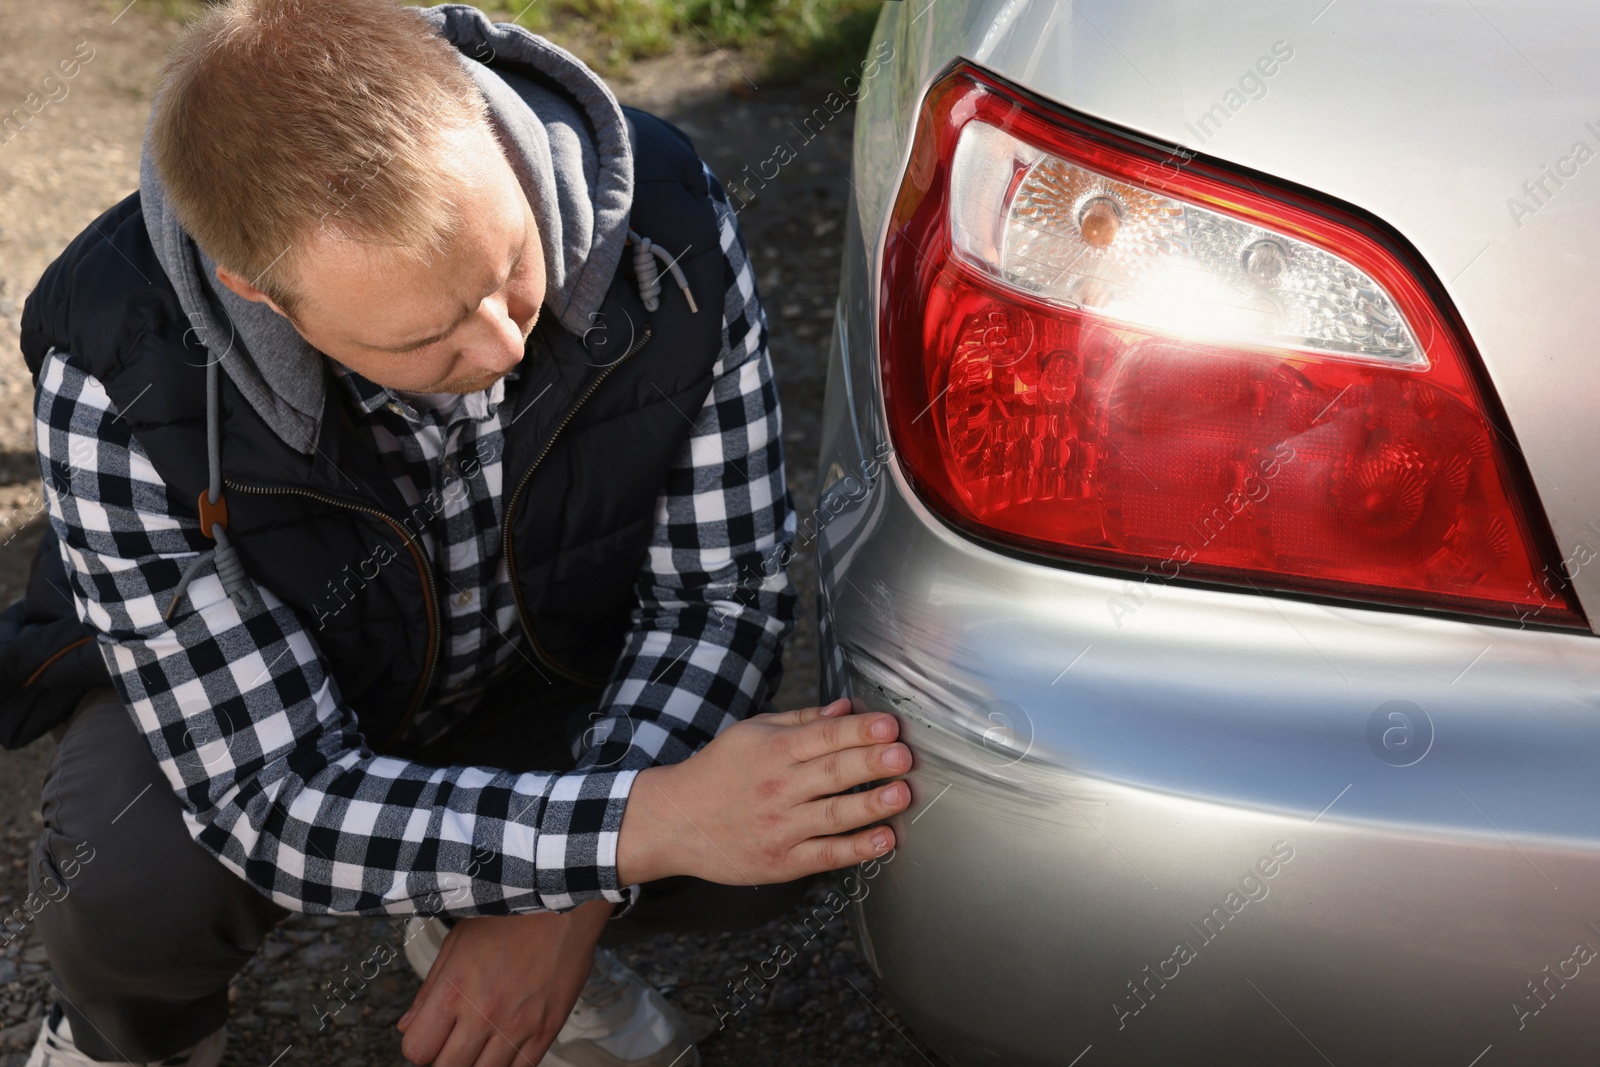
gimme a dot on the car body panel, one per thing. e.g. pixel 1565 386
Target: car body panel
pixel 1101 760
pixel 1089 783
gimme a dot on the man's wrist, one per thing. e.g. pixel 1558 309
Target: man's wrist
pixel 643 851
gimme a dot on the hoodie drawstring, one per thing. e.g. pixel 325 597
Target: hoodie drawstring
pixel 644 268
pixel 214 517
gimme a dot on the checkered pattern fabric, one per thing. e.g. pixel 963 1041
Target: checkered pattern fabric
pixel 452 457
pixel 242 713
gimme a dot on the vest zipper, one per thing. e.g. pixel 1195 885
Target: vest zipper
pixel 423 567
pixel 426 570
pixel 511 505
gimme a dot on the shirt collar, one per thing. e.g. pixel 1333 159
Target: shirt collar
pixel 367 397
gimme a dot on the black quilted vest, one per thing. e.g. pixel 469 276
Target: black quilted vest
pixel 600 419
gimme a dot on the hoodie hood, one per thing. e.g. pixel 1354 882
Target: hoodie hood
pixel 568 143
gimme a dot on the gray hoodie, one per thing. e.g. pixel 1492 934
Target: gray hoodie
pixel 568 143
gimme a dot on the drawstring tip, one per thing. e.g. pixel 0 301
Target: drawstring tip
pixel 645 254
pixel 224 559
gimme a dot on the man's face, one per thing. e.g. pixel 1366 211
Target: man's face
pixel 455 325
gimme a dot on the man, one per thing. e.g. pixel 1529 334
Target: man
pixel 408 512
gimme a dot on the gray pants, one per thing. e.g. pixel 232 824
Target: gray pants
pixel 152 927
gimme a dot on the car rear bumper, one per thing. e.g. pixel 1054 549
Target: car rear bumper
pixel 1101 762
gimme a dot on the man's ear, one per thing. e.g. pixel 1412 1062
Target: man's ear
pixel 243 287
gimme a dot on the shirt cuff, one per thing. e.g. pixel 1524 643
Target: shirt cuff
pixel 623 897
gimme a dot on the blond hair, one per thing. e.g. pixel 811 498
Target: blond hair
pixel 279 117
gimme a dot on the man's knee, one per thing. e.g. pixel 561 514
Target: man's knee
pixel 117 861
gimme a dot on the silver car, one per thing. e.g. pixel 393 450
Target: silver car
pixel 1210 485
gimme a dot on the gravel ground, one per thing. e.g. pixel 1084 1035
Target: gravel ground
pixel 78 156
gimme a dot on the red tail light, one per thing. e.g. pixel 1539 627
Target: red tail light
pixel 1103 350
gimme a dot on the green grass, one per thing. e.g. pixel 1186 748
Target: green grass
pixel 787 39
pixel 784 40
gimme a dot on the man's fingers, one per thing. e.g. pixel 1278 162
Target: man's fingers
pixel 430 1025
pixel 850 767
pixel 466 1040
pixel 837 734
pixel 830 853
pixel 803 716
pixel 836 814
pixel 498 1051
pixel 428 981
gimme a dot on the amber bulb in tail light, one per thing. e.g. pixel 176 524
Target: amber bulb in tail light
pixel 1092 353
pixel 1099 221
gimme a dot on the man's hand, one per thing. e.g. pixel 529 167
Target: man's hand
pixel 762 802
pixel 501 988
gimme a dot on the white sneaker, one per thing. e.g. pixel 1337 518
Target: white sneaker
pixel 618 1021
pixel 55 1048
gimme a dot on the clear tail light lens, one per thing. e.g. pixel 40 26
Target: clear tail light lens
pixel 1100 349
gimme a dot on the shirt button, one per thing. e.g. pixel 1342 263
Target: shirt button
pixel 464 597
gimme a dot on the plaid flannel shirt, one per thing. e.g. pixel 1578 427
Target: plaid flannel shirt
pixel 246 720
